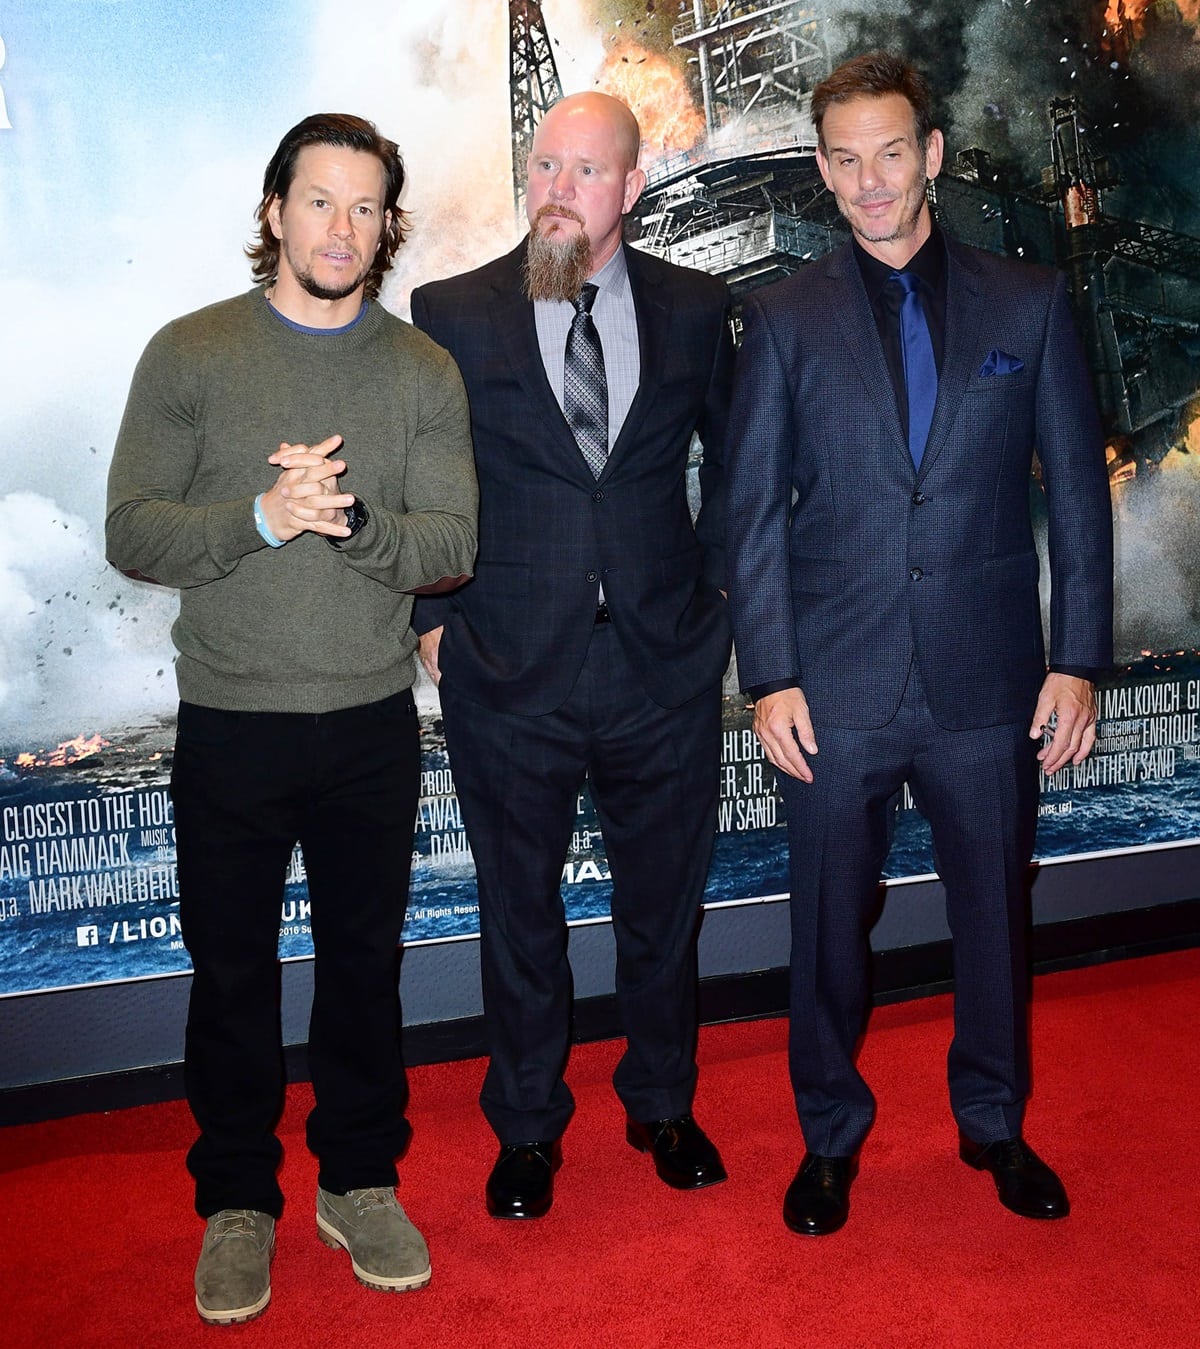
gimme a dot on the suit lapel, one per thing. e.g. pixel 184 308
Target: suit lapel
pixel 652 302
pixel 965 305
pixel 861 336
pixel 516 335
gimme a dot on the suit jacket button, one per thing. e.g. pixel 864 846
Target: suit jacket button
pixel 597 496
pixel 919 498
pixel 592 576
pixel 915 574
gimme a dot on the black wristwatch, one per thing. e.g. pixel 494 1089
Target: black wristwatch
pixel 356 517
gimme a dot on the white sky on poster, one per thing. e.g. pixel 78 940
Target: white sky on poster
pixel 140 131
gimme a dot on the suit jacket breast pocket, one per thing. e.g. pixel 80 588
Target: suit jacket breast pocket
pixel 1003 386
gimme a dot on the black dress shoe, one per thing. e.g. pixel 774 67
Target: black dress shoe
pixel 522 1181
pixel 818 1200
pixel 683 1154
pixel 1024 1182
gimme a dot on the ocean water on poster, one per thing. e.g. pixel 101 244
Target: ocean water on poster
pixel 754 862
pixel 81 945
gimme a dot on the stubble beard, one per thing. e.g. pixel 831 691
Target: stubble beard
pixel 319 290
pixel 556 271
pixel 903 228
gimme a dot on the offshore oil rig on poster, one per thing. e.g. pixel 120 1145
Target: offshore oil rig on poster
pixel 747 203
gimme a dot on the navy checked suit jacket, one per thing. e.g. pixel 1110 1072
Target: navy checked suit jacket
pixel 549 532
pixel 846 563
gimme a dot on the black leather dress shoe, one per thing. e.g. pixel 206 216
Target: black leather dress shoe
pixel 522 1181
pixel 683 1154
pixel 818 1200
pixel 1024 1182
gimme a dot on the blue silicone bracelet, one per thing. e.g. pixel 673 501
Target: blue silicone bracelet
pixel 264 529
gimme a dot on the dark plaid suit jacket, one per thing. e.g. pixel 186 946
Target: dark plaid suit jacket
pixel 550 533
pixel 845 562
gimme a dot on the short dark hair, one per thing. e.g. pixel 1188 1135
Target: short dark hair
pixel 872 76
pixel 342 131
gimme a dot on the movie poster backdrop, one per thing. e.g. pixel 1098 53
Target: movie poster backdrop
pixel 132 141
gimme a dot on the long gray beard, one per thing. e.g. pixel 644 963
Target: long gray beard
pixel 557 271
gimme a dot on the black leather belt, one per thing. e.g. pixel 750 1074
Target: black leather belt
pixel 602 615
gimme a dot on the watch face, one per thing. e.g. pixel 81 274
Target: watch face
pixel 356 517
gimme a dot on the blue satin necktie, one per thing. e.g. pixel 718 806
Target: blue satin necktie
pixel 920 369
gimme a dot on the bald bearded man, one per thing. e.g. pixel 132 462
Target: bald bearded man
pixel 592 641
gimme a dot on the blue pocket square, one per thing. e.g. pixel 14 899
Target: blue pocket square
pixel 1001 363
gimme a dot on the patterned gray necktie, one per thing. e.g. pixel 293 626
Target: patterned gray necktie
pixel 585 387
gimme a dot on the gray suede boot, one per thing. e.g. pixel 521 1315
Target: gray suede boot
pixel 233 1274
pixel 386 1250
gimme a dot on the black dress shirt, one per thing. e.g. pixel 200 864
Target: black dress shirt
pixel 928 264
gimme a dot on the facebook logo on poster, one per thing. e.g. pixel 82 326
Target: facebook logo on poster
pixel 87 936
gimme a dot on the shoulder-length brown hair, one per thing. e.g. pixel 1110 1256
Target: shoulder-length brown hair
pixel 343 131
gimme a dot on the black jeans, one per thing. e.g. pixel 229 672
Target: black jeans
pixel 247 787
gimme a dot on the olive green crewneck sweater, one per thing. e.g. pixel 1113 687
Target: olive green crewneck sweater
pixel 305 627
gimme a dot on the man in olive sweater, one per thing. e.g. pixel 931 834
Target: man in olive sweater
pixel 297 461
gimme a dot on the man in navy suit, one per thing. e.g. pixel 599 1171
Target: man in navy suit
pixel 889 401
pixel 592 640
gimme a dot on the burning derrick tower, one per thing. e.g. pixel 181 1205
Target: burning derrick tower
pixel 533 83
pixel 1075 181
pixel 745 205
pixel 1134 287
pixel 754 60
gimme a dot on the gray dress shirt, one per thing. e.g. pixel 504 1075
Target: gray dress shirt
pixel 616 322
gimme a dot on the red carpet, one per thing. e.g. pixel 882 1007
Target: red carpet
pixel 98 1241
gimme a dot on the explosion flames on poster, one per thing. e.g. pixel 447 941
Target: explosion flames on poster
pixel 132 141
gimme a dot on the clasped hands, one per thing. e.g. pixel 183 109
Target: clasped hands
pixel 305 496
